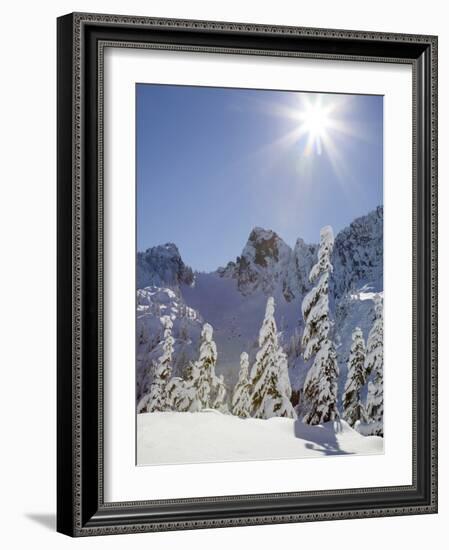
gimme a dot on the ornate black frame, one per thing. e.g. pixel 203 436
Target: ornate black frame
pixel 81 509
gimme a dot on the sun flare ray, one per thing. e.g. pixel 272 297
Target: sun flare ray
pixel 317 126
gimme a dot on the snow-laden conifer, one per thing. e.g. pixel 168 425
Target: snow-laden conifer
pixel 202 376
pixel 353 409
pixel 142 405
pixel 156 399
pixel 320 385
pixel 374 367
pixel 241 398
pixel 271 389
pixel 178 395
pixel 219 400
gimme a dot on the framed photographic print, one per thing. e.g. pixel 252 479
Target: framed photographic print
pixel 247 291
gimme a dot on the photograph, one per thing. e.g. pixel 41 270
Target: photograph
pixel 259 274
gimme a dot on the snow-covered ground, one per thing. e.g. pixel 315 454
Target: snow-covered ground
pixel 210 436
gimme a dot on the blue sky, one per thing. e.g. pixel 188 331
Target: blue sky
pixel 212 163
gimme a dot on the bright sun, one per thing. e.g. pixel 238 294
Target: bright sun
pixel 315 122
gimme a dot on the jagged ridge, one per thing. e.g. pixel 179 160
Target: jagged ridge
pixel 162 266
pixel 233 298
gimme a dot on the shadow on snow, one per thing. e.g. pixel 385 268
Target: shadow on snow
pixel 321 438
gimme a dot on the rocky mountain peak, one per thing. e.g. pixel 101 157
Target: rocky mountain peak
pixel 162 266
pixel 265 246
pixel 262 263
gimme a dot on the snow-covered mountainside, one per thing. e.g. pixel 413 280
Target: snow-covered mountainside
pixel 358 254
pixel 153 303
pixel 268 264
pixel 353 309
pixel 162 266
pixel 233 298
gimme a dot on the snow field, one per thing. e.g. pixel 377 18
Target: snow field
pixel 210 436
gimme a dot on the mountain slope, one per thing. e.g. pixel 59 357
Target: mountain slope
pixel 358 254
pixel 233 299
pixel 162 266
pixel 153 303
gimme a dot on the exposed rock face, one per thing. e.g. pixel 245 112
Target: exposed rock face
pixel 267 261
pixel 358 254
pixel 262 265
pixel 162 266
pixel 296 281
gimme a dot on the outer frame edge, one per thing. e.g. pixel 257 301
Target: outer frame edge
pixel 65 441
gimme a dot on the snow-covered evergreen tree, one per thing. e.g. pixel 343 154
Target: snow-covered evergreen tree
pixel 353 409
pixel 320 385
pixel 178 395
pixel 271 389
pixel 142 405
pixel 219 401
pixel 156 399
pixel 241 398
pixel 374 363
pixel 202 377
